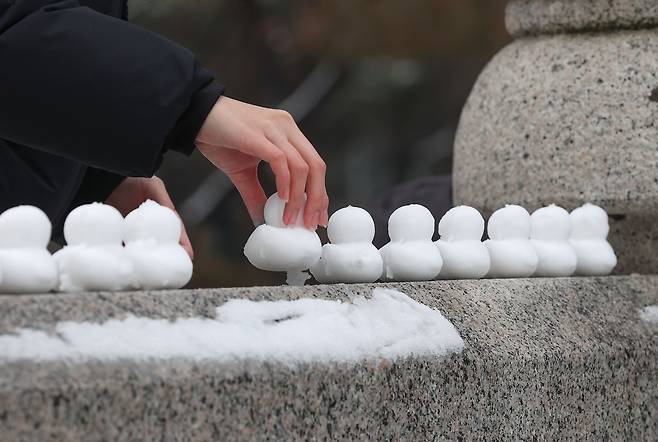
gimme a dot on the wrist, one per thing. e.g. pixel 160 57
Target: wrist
pixel 183 137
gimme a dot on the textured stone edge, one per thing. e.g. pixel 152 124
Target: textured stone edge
pixel 536 17
pixel 545 358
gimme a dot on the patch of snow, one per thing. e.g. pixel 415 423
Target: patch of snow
pixel 649 313
pixel 389 325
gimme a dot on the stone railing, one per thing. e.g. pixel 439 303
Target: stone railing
pixel 550 359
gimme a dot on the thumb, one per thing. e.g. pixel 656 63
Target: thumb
pixel 157 191
pixel 252 193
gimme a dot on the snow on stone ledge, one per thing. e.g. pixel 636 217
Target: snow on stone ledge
pixel 389 325
pixel 649 313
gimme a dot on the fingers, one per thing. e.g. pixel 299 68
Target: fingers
pixel 278 162
pixel 157 191
pixel 307 172
pixel 317 205
pixel 236 136
pixel 251 191
pixel 298 175
pixel 186 243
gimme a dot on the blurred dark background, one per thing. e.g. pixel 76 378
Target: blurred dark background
pixel 376 85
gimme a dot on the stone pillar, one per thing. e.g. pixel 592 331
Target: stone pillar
pixel 568 113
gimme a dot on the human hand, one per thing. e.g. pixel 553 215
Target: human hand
pixel 134 191
pixel 237 136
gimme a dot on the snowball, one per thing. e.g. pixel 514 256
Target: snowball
pixel 411 223
pixel 555 258
pixel 595 257
pixel 158 266
pixel 411 261
pixel 463 259
pixel 351 224
pixel 349 263
pixel 277 249
pixel 27 270
pixel 512 254
pixel 84 268
pixel 509 222
pixel 151 221
pixel 93 259
pixel 94 224
pixel 274 208
pixel 464 255
pixel 351 257
pixel 550 223
pixel 461 222
pixel 24 226
pixel 589 230
pixel 390 325
pixel 411 255
pixel 511 258
pixel 589 221
pixel 551 228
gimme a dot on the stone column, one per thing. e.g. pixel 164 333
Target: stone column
pixel 568 113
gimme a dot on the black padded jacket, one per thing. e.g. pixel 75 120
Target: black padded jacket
pixel 86 99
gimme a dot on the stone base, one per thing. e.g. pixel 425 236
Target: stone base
pixel 568 119
pixel 565 358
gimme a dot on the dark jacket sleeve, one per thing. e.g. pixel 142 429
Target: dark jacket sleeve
pixel 95 89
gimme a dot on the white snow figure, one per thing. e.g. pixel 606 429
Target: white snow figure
pixel 512 254
pixel 589 230
pixel 93 259
pixel 411 255
pixel 550 231
pixel 350 257
pixel 464 254
pixel 26 264
pixel 153 246
pixel 277 247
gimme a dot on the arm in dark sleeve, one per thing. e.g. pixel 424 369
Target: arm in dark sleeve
pixel 95 89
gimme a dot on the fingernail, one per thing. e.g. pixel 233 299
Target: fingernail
pixel 283 195
pixel 325 219
pixel 316 219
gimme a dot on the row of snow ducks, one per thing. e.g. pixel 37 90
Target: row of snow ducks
pixel 95 258
pixel 550 243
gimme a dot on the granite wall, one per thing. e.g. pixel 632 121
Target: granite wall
pixel 568 113
pixel 545 359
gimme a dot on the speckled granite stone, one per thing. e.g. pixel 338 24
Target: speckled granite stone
pixel 546 359
pixel 568 119
pixel 533 17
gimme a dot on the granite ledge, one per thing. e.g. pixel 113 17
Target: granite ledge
pixel 545 359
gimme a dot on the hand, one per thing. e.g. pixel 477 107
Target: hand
pixel 237 136
pixel 134 191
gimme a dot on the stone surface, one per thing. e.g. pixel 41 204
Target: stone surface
pixel 568 119
pixel 545 359
pixel 533 17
